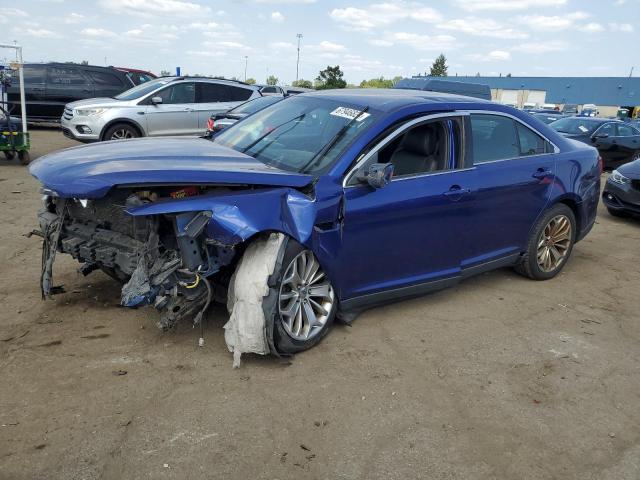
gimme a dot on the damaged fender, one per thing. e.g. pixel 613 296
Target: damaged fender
pixel 237 216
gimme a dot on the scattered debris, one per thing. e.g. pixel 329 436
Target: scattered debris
pixel 51 343
pixel 304 447
pixel 612 435
pixel 40 447
pixel 93 337
pixel 119 373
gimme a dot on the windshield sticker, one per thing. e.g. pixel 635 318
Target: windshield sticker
pixel 350 113
pixel 583 128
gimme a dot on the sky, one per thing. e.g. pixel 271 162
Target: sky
pixel 366 38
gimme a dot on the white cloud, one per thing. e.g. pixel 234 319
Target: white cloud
pixel 326 46
pixel 493 56
pixel 282 46
pixel 554 22
pixel 592 27
pixel 74 18
pixel 541 47
pixel 204 25
pixel 13 12
pixel 483 27
pixel 42 33
pixel 507 5
pixel 621 27
pixel 283 2
pixel 277 17
pixel 378 42
pixel 150 8
pixel 421 41
pixel 97 32
pixel 382 14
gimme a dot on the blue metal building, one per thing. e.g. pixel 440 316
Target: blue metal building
pixel 611 91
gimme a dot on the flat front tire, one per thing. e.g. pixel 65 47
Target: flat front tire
pixel 550 244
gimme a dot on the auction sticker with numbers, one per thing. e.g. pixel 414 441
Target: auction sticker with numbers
pixel 350 113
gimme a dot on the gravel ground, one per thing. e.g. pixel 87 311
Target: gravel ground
pixel 497 378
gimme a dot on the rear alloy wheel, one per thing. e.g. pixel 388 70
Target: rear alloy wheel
pixel 121 131
pixel 550 244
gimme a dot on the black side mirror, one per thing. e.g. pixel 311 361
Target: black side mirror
pixel 378 175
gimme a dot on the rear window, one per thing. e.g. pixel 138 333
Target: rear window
pixel 494 138
pixel 65 76
pixel 239 94
pixel 105 79
pixel 34 73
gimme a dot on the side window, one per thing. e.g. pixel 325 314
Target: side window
pixel 269 90
pixel 238 94
pixel 212 92
pixel 626 130
pixel 606 129
pixel 494 138
pixel 34 74
pixel 178 93
pixel 105 79
pixel 530 142
pixel 60 76
pixel 421 149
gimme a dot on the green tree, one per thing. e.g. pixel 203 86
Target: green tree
pixel 165 73
pixel 380 82
pixel 302 83
pixel 439 67
pixel 272 80
pixel 330 77
pixel 250 81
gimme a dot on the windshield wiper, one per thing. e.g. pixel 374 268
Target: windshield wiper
pixel 336 138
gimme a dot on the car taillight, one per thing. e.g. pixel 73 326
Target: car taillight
pixel 600 164
pixel 210 124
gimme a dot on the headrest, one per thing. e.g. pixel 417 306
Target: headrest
pixel 421 140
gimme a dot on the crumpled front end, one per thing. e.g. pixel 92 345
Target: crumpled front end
pixel 171 247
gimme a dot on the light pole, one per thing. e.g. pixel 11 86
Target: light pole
pixel 246 60
pixel 299 35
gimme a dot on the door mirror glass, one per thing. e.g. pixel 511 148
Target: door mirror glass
pixel 156 100
pixel 377 175
pixel 601 135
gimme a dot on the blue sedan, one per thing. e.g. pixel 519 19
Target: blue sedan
pixel 321 206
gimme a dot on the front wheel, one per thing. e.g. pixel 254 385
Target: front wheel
pixel 550 244
pixel 24 157
pixel 121 131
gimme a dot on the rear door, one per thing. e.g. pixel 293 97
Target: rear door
pixel 106 83
pixel 213 98
pixel 177 114
pixel 34 86
pixel 65 84
pixel 628 142
pixel 514 170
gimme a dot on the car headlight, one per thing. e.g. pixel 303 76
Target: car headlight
pixel 617 177
pixel 89 112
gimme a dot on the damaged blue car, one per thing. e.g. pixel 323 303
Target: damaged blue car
pixel 324 205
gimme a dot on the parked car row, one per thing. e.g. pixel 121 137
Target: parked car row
pixel 50 86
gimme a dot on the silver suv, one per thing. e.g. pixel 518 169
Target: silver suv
pixel 164 106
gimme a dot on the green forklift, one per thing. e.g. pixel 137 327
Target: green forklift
pixel 14 138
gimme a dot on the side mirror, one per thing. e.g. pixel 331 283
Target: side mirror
pixel 378 175
pixel 600 135
pixel 156 100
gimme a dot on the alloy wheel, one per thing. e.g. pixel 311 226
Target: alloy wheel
pixel 121 134
pixel 554 243
pixel 306 297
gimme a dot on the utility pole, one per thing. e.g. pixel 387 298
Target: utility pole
pixel 246 60
pixel 299 35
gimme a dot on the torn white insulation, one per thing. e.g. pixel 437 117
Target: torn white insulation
pixel 245 332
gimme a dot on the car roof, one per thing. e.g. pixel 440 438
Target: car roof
pixel 388 99
pixel 596 119
pixel 225 81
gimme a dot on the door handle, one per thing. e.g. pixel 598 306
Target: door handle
pixel 542 173
pixel 189 109
pixel 456 192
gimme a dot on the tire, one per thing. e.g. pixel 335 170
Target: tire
pixel 535 263
pixel 121 131
pixel 9 155
pixel 24 157
pixel 617 213
pixel 285 339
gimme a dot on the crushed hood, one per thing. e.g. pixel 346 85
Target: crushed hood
pixel 89 171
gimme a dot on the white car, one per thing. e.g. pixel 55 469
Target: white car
pixel 164 106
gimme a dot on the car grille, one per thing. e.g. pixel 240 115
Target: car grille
pixel 67 133
pixel 68 113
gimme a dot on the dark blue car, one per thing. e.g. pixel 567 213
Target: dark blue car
pixel 321 206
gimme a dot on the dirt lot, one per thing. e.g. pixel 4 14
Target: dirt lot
pixel 498 378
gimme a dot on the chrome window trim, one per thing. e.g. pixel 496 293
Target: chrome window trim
pixel 457 113
pixel 392 136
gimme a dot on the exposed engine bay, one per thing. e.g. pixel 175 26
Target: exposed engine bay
pixel 163 260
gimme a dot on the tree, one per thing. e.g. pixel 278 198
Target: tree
pixel 165 73
pixel 272 80
pixel 250 81
pixel 302 83
pixel 380 82
pixel 84 62
pixel 439 67
pixel 330 77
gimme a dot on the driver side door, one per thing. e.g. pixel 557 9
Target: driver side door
pixel 176 115
pixel 402 239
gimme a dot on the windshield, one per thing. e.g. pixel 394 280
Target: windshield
pixel 253 106
pixel 574 125
pixel 302 134
pixel 142 89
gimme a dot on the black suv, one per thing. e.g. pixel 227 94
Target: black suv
pixel 50 86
